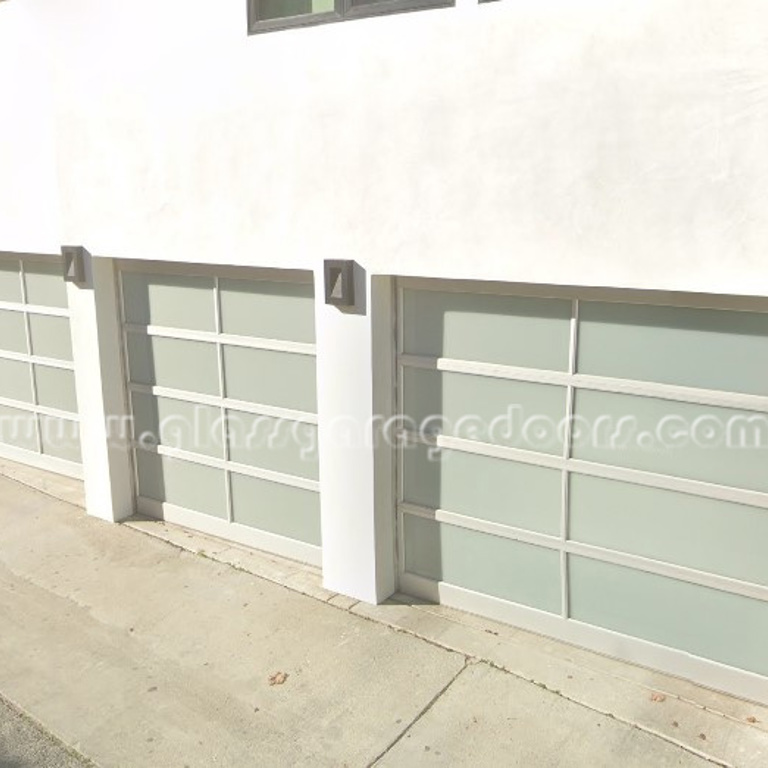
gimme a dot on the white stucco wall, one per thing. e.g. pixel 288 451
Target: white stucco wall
pixel 601 142
pixel 28 191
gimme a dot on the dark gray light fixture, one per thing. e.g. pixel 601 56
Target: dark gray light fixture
pixel 340 283
pixel 74 263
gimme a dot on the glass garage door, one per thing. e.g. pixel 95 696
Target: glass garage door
pixel 38 404
pixel 593 469
pixel 222 389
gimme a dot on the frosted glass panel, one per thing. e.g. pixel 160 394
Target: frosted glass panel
pixel 176 424
pixel 61 438
pixel 514 413
pixel 56 388
pixel 45 284
pixel 17 428
pixel 15 380
pixel 174 363
pixel 502 491
pixel 276 444
pixel 704 622
pixel 706 534
pixel 50 337
pixel 491 565
pixel 713 349
pixel 270 378
pixel 13 334
pixel 281 509
pixel 268 310
pixel 674 438
pixel 511 330
pixel 10 280
pixel 174 301
pixel 192 486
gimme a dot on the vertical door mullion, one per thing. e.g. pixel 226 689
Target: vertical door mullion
pixel 222 394
pixel 127 384
pixel 31 367
pixel 567 444
pixel 400 458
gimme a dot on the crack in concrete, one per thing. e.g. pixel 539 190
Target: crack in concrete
pixel 431 703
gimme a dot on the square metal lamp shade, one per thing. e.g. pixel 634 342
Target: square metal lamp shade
pixel 340 283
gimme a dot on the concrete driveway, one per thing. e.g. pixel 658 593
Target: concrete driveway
pixel 135 652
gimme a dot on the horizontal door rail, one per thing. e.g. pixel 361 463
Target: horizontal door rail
pixel 230 404
pixel 43 410
pixel 211 337
pixel 606 471
pixel 48 362
pixel 673 392
pixel 231 466
pixel 638 562
pixel 34 309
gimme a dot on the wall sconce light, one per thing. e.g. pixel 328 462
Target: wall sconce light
pixel 73 257
pixel 340 283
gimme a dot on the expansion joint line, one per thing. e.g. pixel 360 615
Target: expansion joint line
pixel 467 661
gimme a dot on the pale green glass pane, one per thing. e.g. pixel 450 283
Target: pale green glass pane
pixel 671 438
pixel 712 349
pixel 705 534
pixel 15 381
pixel 10 280
pixel 13 334
pixel 181 483
pixel 56 388
pixel 513 413
pixel 179 364
pixel 268 310
pixel 520 495
pixel 705 622
pixel 510 330
pixel 270 378
pixel 281 509
pixel 281 9
pixel 176 424
pixel 277 444
pixel 45 285
pixel 50 337
pixel 174 301
pixel 510 570
pixel 61 438
pixel 17 428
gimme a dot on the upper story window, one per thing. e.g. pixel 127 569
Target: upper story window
pixel 268 15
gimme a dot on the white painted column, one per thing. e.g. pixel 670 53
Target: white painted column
pixel 104 435
pixel 355 357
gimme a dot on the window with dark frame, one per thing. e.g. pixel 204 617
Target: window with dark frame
pixel 271 15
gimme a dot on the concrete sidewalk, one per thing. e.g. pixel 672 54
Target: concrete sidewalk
pixel 136 651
